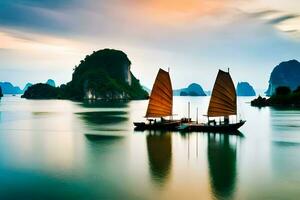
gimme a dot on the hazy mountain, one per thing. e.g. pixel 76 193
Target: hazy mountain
pixel 51 82
pixel 284 74
pixel 245 89
pixel 8 88
pixel 27 86
pixel 193 89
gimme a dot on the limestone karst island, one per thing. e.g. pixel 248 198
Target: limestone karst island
pixel 103 75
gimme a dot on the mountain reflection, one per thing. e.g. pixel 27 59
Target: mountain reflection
pixel 159 146
pixel 104 104
pixel 222 165
pixel 104 117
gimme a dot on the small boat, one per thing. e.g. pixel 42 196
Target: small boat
pixel 222 105
pixel 160 105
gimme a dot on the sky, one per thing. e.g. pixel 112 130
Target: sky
pixel 194 38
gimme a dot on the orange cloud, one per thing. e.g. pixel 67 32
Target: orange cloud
pixel 181 11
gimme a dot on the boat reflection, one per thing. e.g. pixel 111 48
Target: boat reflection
pixel 222 150
pixel 159 146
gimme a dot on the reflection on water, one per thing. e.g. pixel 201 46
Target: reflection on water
pixel 102 118
pixel 102 138
pixel 104 104
pixel 222 164
pixel 106 121
pixel 90 151
pixel 159 146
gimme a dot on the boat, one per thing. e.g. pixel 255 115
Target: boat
pixel 160 106
pixel 222 105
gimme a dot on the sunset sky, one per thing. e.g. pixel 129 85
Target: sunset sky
pixel 46 39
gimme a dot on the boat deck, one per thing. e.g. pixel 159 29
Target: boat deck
pixel 188 127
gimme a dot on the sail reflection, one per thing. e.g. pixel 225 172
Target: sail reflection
pixel 222 164
pixel 159 146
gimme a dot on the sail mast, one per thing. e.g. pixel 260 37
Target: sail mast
pixel 161 98
pixel 223 98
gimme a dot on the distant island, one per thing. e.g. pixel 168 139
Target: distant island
pixel 8 88
pixel 103 75
pixel 283 96
pixel 27 86
pixel 245 89
pixel 42 91
pixel 193 89
pixel 51 82
pixel 285 74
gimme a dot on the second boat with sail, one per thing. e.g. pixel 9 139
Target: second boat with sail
pixel 222 105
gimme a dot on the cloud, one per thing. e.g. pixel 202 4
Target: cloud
pixel 283 18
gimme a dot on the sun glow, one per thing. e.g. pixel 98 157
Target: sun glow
pixel 178 11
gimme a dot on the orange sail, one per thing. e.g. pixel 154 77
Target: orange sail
pixel 223 98
pixel 161 98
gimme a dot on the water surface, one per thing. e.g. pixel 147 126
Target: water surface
pixel 55 149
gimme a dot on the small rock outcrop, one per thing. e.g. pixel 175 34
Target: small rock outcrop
pixel 245 89
pixel 285 74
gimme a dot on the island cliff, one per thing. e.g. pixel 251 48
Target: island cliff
pixel 285 74
pixel 245 89
pixel 193 89
pixel 103 75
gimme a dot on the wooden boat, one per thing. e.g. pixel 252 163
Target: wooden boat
pixel 160 105
pixel 222 105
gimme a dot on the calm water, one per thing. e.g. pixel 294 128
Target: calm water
pixel 66 150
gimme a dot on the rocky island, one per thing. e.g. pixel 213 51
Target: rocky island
pixel 283 96
pixel 9 88
pixel 193 89
pixel 245 89
pixel 1 94
pixel 285 74
pixel 284 86
pixel 41 91
pixel 103 75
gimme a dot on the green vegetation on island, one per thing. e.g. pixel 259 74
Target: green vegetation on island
pixel 104 75
pixel 283 96
pixel 41 91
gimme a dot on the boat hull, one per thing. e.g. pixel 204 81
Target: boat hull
pixel 166 125
pixel 211 128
